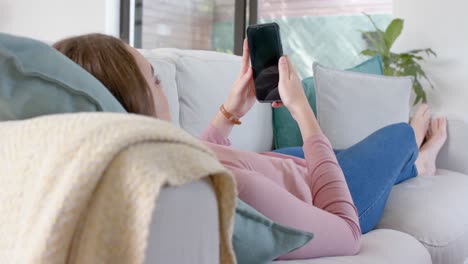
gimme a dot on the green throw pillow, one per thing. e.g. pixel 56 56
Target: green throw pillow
pixel 259 240
pixel 35 80
pixel 285 129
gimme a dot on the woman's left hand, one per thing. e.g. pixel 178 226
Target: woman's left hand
pixel 242 95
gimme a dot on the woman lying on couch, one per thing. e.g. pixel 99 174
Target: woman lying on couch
pixel 309 193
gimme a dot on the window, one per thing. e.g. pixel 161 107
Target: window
pixel 185 24
pixel 326 31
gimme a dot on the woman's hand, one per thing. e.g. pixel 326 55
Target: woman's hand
pixel 293 97
pixel 290 89
pixel 242 95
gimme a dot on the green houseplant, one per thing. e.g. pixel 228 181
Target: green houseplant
pixel 398 64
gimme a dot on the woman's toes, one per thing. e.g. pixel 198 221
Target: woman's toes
pixel 427 113
pixel 434 125
pixel 436 137
pixel 442 127
pixel 420 123
pixel 437 134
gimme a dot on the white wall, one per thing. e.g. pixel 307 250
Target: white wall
pixel 51 20
pixel 442 26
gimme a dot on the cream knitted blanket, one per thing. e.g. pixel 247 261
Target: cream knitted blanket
pixel 81 188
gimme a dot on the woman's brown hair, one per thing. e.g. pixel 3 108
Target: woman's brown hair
pixel 108 59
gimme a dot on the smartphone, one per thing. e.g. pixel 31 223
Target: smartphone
pixel 265 51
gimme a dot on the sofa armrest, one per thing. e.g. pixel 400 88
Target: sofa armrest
pixel 185 226
pixel 454 154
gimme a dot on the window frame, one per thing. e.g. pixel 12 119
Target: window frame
pixel 131 31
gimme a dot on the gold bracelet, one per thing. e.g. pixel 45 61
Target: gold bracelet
pixel 229 116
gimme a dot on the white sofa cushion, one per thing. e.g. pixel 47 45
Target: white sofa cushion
pixel 204 79
pixel 166 71
pixel 172 238
pixel 352 105
pixel 434 210
pixel 454 154
pixel 379 246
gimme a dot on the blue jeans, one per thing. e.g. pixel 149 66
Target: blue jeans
pixel 373 166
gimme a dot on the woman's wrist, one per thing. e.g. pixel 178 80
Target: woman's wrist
pixel 230 109
pixel 223 124
pixel 301 111
pixel 307 122
pixel 233 118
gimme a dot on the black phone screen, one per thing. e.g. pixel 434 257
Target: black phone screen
pixel 265 51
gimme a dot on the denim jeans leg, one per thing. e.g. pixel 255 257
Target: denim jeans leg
pixel 373 166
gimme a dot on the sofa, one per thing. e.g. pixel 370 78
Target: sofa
pixel 425 220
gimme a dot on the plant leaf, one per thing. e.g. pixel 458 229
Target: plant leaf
pixel 412 56
pixel 417 57
pixel 369 52
pixel 421 72
pixel 377 44
pixel 385 49
pixel 415 51
pixel 410 71
pixel 393 31
pixel 381 33
pixel 419 91
pixel 430 51
pixel 398 64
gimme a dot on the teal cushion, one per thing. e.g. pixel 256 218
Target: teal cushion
pixel 259 240
pixel 35 79
pixel 285 129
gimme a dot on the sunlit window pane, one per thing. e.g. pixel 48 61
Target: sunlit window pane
pixel 188 24
pixel 326 31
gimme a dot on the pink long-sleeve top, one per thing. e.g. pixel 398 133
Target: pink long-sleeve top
pixel 309 194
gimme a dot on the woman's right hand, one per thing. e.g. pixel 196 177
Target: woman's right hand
pixel 290 89
pixel 293 97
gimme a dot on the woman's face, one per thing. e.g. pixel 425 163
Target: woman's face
pixel 161 104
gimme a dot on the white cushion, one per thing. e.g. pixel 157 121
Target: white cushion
pixel 204 79
pixel 379 247
pixel 454 154
pixel 351 106
pixel 164 68
pixel 434 210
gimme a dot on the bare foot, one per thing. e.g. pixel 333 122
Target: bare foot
pixel 420 123
pixel 436 137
